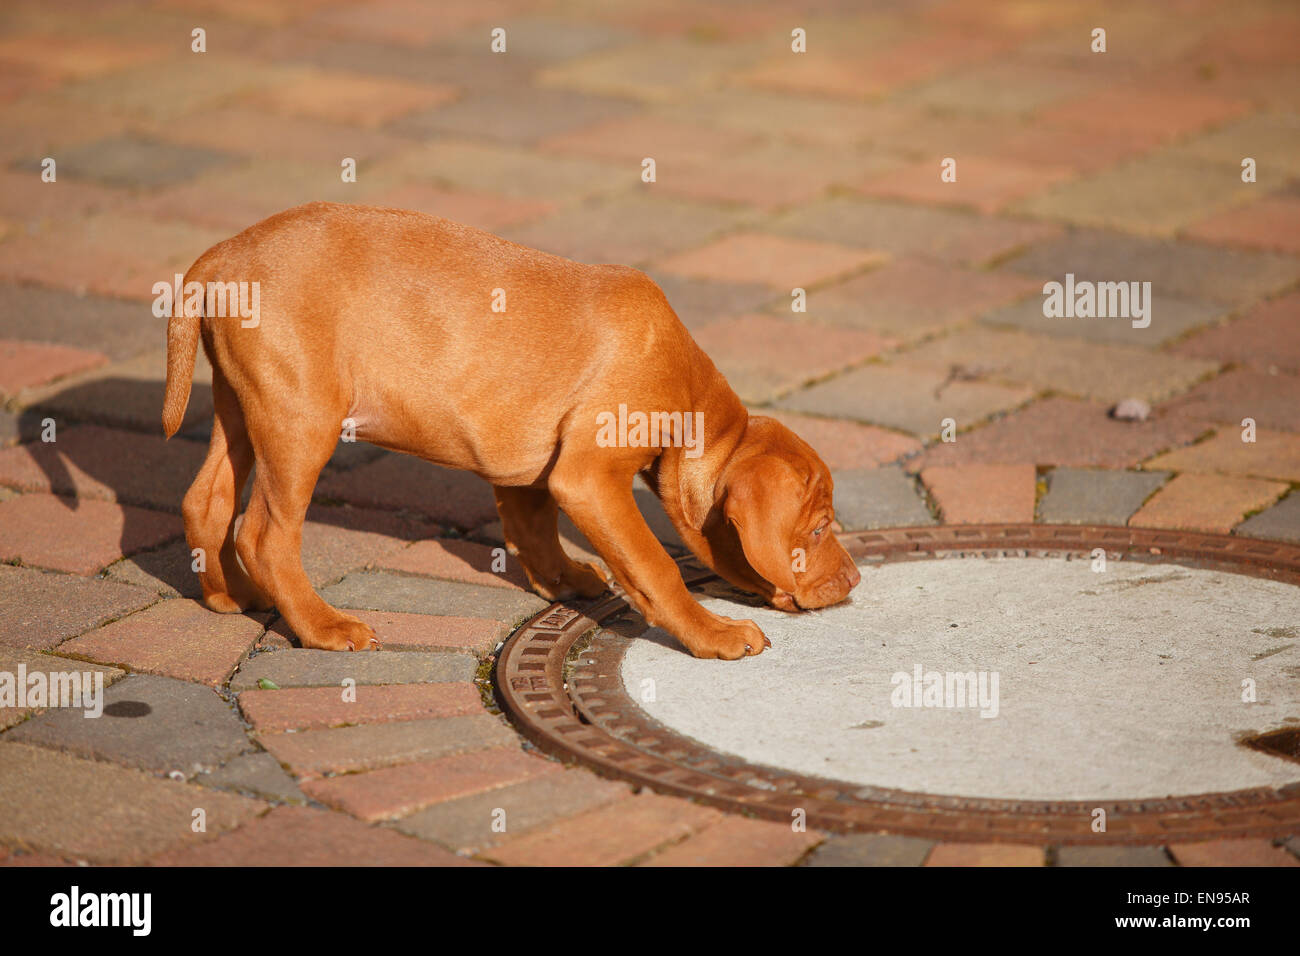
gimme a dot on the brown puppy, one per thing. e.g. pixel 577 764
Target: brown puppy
pixel 385 320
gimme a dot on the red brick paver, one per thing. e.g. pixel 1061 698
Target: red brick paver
pixel 355 99
pixel 1269 223
pixel 763 356
pixel 1061 431
pixel 978 494
pixel 91 461
pixel 1143 111
pixel 301 836
pixel 985 854
pixel 608 836
pixel 774 170
pixel 736 841
pixel 1272 454
pixel 179 638
pixel 1232 853
pixel 982 183
pixel 1268 336
pixel 89 810
pixel 779 262
pixel 1195 502
pixel 844 445
pixel 458 560
pixel 306 708
pixel 398 791
pixel 24 364
pixel 78 536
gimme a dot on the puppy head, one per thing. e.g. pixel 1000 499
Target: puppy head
pixel 774 533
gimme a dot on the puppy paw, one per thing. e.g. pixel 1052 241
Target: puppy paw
pixel 585 580
pixel 237 600
pixel 729 640
pixel 577 580
pixel 345 634
pixel 222 603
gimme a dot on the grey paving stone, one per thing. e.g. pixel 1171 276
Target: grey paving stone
pixel 405 525
pixel 524 115
pixel 911 299
pixel 135 162
pixel 1088 496
pixel 1109 373
pixel 475 71
pixel 1280 522
pixel 387 591
pixel 1271 133
pixel 40 609
pixel 150 723
pixel 166 571
pixel 90 810
pixel 137 93
pixel 651 508
pixel 371 746
pixel 577 545
pixel 11 659
pixel 1182 269
pixel 1112 856
pixel 350 454
pixel 306 667
pixel 914 399
pixel 905 229
pixel 467 823
pixel 656 517
pixel 127 467
pixel 998 86
pixel 627 230
pixel 1170 318
pixel 259 774
pixel 698 302
pixel 1293 844
pixel 878 498
pixel 1161 192
pixel 11 429
pixel 125 395
pixel 870 849
pixel 405 483
pixel 541 39
pixel 115 327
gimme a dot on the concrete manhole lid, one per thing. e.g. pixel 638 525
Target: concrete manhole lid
pixel 1118 689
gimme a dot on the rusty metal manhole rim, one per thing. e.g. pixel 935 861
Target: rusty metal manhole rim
pixel 591 720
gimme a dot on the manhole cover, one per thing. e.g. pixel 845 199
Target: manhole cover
pixel 1009 691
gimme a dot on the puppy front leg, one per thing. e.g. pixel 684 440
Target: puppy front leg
pixel 603 508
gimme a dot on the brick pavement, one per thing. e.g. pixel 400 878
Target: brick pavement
pixel 924 367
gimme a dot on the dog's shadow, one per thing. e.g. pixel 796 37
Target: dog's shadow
pixel 102 439
pixel 65 435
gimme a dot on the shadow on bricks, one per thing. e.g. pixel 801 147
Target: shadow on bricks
pixel 133 407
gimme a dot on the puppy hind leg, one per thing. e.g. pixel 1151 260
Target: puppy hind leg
pixel 211 504
pixel 529 521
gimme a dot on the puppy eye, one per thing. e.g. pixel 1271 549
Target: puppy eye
pixel 818 532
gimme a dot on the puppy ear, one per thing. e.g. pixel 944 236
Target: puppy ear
pixel 762 501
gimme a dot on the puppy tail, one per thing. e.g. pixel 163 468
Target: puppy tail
pixel 182 344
